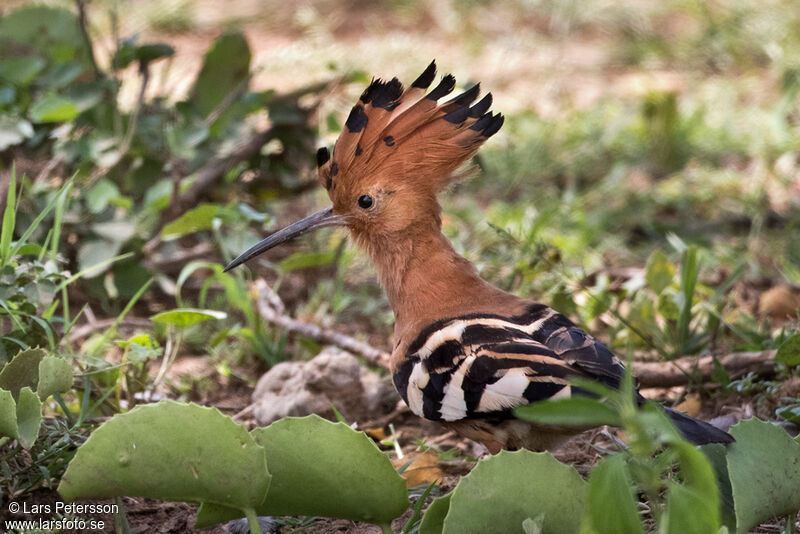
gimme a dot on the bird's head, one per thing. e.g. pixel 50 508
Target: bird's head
pixel 397 150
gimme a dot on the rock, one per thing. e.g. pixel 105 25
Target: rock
pixel 333 377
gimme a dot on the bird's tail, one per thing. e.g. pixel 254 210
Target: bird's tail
pixel 696 431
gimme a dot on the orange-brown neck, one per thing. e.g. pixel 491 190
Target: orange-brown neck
pixel 426 280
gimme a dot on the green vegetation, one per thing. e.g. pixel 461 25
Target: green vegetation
pixel 654 199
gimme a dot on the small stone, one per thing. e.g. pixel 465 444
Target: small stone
pixel 334 376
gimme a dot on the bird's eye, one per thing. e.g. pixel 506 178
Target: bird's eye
pixel 365 202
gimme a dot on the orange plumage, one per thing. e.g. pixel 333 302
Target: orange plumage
pixel 465 352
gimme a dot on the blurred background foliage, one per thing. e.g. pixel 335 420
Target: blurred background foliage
pixel 647 180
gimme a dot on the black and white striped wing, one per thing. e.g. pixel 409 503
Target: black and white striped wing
pixel 484 365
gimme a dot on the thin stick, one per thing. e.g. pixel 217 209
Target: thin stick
pixel 268 304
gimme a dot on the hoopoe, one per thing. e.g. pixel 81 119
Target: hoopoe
pixel 465 352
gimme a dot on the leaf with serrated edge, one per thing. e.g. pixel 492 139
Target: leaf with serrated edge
pixel 503 491
pixel 324 469
pixel 8 415
pixel 764 469
pixel 170 451
pixel 55 376
pixel 29 417
pixel 433 520
pixel 22 371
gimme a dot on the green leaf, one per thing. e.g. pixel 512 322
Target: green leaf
pixel 21 70
pixel 100 194
pixel 659 271
pixel 194 220
pixel 764 472
pixel 183 317
pixel 8 415
pixel 22 371
pixel 694 507
pixel 789 351
pixel 668 305
pixel 55 376
pixel 503 491
pixel 129 52
pixel 173 452
pixel 226 67
pixel 53 108
pixel 610 488
pixel 9 218
pixel 29 417
pixel 52 31
pixel 686 512
pixel 433 520
pixel 575 411
pixel 321 468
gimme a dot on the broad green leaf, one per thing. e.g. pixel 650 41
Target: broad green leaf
pixel 29 417
pixel 22 371
pixel 764 470
pixel 659 271
pixel 575 411
pixel 52 31
pixel 182 317
pixel 55 376
pixel 610 488
pixel 21 70
pixel 173 452
pixel 433 520
pixel 226 67
pixel 100 194
pixel 321 468
pixel 789 351
pixel 53 108
pixel 503 491
pixel 194 220
pixel 8 415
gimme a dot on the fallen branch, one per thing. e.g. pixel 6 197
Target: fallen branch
pixel 271 308
pixel 671 373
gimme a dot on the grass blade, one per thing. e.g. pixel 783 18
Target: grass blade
pixel 9 219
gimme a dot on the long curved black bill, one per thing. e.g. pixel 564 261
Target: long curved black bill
pixel 315 221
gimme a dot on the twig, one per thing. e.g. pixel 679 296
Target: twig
pixel 44 174
pixel 267 304
pixel 83 23
pixel 665 374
